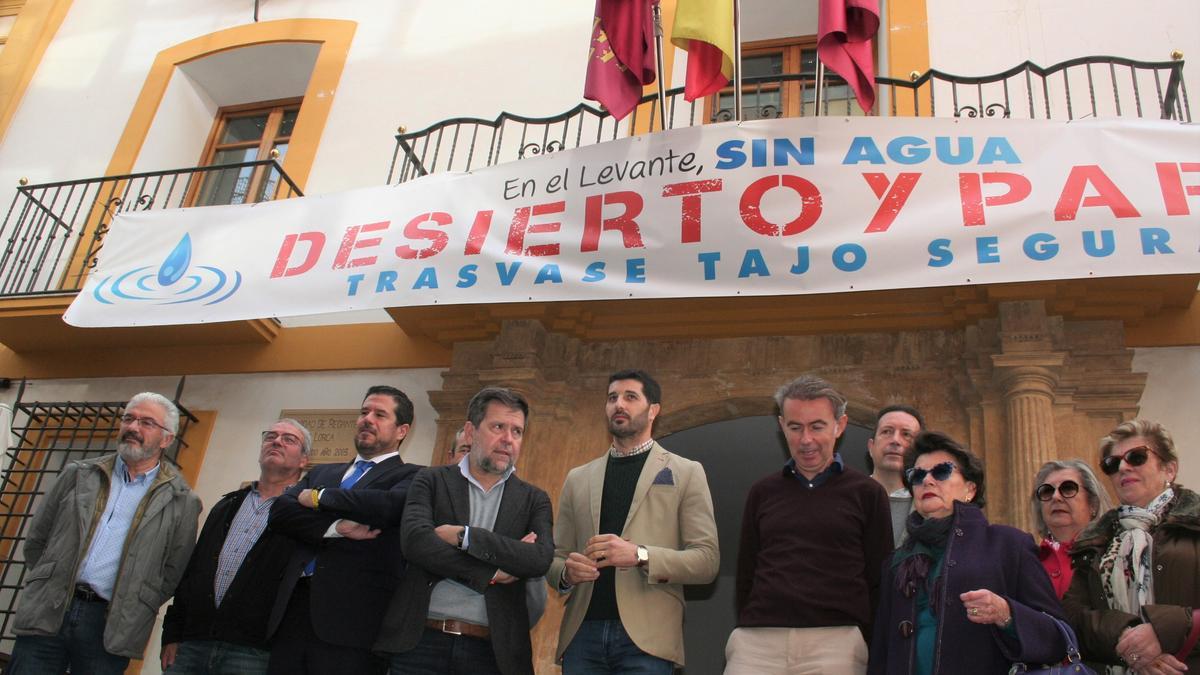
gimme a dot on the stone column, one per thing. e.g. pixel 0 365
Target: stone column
pixel 1027 382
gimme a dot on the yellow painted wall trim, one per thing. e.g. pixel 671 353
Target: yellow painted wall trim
pixel 334 36
pixel 316 348
pixel 907 23
pixel 1176 327
pixel 31 34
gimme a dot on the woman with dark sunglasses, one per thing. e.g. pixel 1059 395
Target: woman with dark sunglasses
pixel 960 595
pixel 1137 568
pixel 1066 497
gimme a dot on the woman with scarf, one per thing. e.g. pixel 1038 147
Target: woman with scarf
pixel 960 595
pixel 1066 498
pixel 1137 569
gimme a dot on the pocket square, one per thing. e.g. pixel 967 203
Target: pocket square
pixel 664 477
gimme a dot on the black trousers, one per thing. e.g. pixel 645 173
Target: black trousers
pixel 296 649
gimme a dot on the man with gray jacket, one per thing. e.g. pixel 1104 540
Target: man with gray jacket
pixel 105 549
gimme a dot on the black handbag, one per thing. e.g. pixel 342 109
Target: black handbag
pixel 1074 664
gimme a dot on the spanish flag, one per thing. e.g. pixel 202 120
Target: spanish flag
pixel 704 29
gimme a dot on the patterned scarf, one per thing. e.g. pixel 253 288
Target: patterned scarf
pixel 913 561
pixel 1126 569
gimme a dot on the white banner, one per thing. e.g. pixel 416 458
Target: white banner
pixel 778 207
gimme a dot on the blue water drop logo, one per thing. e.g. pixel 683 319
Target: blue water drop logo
pixel 176 264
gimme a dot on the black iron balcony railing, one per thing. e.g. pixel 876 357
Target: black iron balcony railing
pixel 1095 86
pixel 53 231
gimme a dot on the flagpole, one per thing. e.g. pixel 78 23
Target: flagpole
pixel 658 58
pixel 820 86
pixel 737 60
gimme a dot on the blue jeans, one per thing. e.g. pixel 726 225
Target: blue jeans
pixel 440 653
pixel 603 647
pixel 212 657
pixel 79 644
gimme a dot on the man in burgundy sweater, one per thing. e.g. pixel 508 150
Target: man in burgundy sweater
pixel 815 536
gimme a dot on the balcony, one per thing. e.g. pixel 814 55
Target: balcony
pixel 1094 86
pixel 53 232
pixel 1097 86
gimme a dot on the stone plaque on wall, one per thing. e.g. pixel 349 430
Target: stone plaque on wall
pixel 332 432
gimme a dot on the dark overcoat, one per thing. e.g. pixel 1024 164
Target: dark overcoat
pixel 978 555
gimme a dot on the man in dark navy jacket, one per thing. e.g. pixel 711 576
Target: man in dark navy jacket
pixel 345 520
pixel 218 622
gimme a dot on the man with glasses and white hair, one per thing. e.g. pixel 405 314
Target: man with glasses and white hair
pixel 218 622
pixel 126 512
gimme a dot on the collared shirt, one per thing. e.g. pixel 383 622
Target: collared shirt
pixel 103 559
pixel 450 599
pixel 835 467
pixel 464 466
pixel 247 526
pixel 1055 558
pixel 374 460
pixel 331 532
pixel 644 447
pixel 900 503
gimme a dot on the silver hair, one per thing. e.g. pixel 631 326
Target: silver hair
pixel 810 388
pixel 169 410
pixel 1097 498
pixel 305 434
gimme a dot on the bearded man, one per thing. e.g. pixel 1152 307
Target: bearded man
pixel 345 520
pixel 634 526
pixel 128 512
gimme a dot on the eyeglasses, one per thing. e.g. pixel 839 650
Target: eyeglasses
pixel 1133 457
pixel 1067 488
pixel 144 422
pixel 940 472
pixel 286 439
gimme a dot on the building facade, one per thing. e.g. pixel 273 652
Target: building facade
pixel 108 106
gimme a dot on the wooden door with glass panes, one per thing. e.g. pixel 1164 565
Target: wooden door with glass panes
pixel 246 133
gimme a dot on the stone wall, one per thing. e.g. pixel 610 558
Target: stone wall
pixel 1018 389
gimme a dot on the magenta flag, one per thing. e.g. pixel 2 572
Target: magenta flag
pixel 845 32
pixel 621 57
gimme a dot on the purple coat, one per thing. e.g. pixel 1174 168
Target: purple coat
pixel 998 558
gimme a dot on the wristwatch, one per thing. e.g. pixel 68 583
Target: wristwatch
pixel 643 556
pixel 461 535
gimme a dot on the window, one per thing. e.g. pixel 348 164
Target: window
pixel 786 86
pixel 246 133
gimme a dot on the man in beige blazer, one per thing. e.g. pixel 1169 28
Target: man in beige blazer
pixel 633 527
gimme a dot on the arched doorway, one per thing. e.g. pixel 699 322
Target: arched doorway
pixel 735 453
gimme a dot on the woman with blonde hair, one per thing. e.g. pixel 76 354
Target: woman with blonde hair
pixel 1137 568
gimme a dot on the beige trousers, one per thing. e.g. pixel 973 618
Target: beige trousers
pixel 832 650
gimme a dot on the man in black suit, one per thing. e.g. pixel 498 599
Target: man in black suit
pixel 470 531
pixel 345 521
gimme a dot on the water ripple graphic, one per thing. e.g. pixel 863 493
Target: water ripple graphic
pixel 175 282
